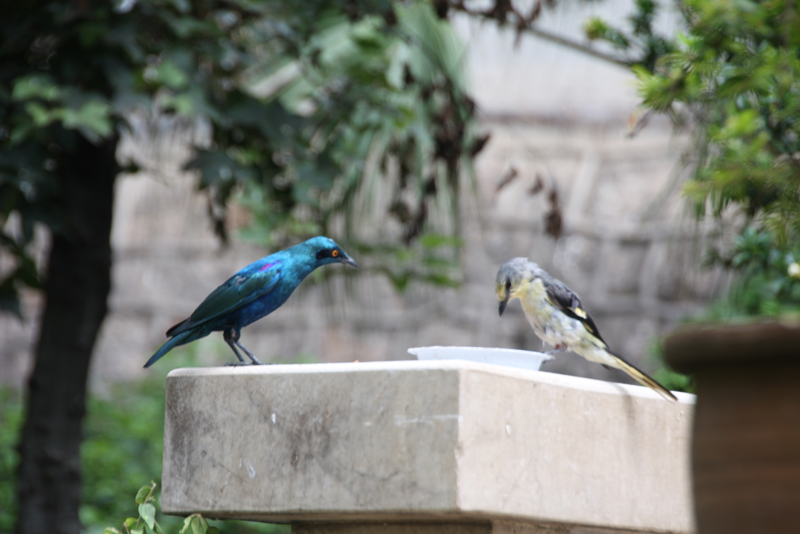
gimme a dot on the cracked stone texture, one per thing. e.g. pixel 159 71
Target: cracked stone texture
pixel 422 441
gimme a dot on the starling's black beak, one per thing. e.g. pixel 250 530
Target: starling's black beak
pixel 503 304
pixel 347 260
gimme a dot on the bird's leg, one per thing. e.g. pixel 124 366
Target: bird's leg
pixel 556 350
pixel 256 361
pixel 230 337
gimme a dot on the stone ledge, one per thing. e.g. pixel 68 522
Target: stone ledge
pixel 448 441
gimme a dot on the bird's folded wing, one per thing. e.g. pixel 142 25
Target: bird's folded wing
pixel 569 303
pixel 240 290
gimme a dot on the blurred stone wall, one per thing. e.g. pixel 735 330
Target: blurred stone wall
pixel 556 118
pixel 626 247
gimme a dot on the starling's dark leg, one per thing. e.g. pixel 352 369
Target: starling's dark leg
pixel 256 361
pixel 230 338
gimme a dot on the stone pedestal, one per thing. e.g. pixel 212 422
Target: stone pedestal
pixel 451 447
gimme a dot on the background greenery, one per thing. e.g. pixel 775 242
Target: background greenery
pixel 121 451
pixel 732 77
pixel 322 115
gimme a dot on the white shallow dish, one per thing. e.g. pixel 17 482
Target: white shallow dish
pixel 523 359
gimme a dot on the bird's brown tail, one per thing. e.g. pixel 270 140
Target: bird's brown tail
pixel 645 380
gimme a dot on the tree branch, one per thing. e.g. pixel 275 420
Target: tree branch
pixel 578 47
pixel 524 24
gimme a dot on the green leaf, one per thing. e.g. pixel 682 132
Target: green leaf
pixel 35 86
pixel 111 530
pixel 183 6
pixel 142 494
pixel 742 124
pixel 596 28
pixel 41 115
pixel 148 513
pixel 215 167
pixel 93 119
pixel 187 522
pixel 183 104
pixel 170 75
pixel 199 525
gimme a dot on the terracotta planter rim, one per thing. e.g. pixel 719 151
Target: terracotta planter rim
pixel 693 347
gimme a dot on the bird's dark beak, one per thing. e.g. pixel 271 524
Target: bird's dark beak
pixel 347 260
pixel 503 304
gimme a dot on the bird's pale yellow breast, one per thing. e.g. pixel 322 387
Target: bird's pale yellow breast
pixel 519 289
pixel 533 296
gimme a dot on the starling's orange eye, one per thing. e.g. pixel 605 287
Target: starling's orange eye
pixel 335 253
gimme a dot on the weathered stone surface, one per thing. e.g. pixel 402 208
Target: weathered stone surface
pixel 422 527
pixel 482 527
pixel 422 441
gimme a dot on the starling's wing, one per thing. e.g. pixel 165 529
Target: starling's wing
pixel 568 302
pixel 239 290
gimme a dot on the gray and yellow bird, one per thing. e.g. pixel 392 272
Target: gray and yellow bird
pixel 557 316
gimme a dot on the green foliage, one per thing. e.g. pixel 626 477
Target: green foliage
pixel 428 260
pixel 668 378
pixel 738 69
pixel 124 436
pixel 10 427
pixel 643 46
pixel 301 98
pixel 734 74
pixel 767 284
pixel 674 381
pixel 123 446
pixel 768 281
pixel 392 128
pixel 146 522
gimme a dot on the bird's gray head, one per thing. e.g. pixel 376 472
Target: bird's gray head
pixel 511 277
pixel 326 251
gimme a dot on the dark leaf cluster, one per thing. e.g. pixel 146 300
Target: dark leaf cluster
pixel 769 277
pixel 733 75
pixel 308 103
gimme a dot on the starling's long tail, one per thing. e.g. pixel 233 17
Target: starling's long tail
pixel 180 339
pixel 645 380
